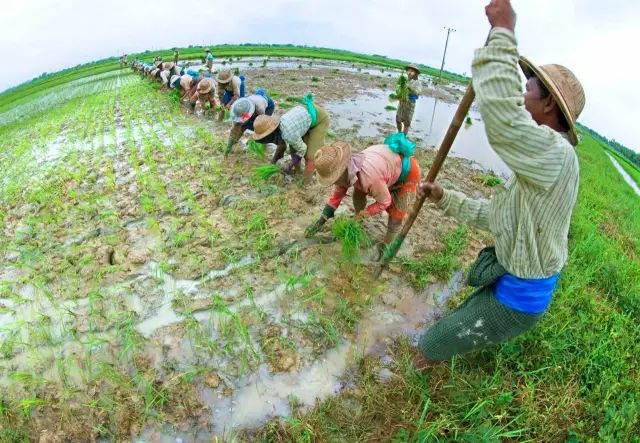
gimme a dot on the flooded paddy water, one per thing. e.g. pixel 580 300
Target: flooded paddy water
pixel 151 290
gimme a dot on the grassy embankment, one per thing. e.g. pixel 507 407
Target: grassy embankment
pixel 573 378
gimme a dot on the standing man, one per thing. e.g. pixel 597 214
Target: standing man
pixel 303 129
pixel 176 55
pixel 244 113
pixel 530 215
pixel 230 89
pixel 408 92
pixel 209 60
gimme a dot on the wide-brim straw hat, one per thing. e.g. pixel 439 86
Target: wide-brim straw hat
pixel 205 86
pixel 154 71
pixel 331 161
pixel 565 89
pixel 264 125
pixel 412 66
pixel 224 76
pixel 168 65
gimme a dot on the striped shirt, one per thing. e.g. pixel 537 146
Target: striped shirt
pixel 529 216
pixel 293 126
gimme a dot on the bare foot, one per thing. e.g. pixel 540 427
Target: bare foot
pixel 422 363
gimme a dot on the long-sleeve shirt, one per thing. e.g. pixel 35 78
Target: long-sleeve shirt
pixel 530 215
pixel 233 86
pixel 293 126
pixel 379 170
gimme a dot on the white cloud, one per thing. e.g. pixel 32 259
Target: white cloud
pixel 593 38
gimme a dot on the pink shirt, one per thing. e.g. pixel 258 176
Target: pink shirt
pixel 380 169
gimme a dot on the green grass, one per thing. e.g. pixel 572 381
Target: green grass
pixel 574 377
pixel 390 108
pixel 438 265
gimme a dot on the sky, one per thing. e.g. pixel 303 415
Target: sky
pixel 595 39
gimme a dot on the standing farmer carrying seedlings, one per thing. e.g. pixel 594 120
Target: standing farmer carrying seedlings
pixel 389 173
pixel 530 216
pixel 209 60
pixel 408 92
pixel 244 113
pixel 303 129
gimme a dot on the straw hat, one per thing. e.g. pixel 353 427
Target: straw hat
pixel 167 66
pixel 412 66
pixel 207 50
pixel 331 161
pixel 264 125
pixel 242 110
pixel 565 89
pixel 205 86
pixel 224 76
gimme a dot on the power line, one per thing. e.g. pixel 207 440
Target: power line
pixel 446 43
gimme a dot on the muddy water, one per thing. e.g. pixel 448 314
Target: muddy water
pixel 366 114
pixel 250 63
pixel 630 181
pixel 263 395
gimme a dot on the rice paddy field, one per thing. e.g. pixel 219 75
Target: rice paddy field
pixel 152 290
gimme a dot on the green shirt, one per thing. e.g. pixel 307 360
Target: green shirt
pixel 529 216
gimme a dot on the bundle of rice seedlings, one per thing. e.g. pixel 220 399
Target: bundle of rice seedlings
pixel 265 172
pixel 256 148
pixel 353 237
pixel 402 88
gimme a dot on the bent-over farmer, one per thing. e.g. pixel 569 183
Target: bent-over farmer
pixel 389 173
pixel 530 216
pixel 206 94
pixel 244 113
pixel 230 89
pixel 303 129
pixel 407 103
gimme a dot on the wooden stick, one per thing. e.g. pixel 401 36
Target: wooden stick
pixel 463 108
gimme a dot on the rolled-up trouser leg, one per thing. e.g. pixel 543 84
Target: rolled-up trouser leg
pixel 234 135
pixel 315 137
pixel 394 225
pixel 479 322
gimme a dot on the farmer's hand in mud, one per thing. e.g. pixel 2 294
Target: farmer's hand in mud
pixel 433 191
pixel 314 227
pixel 361 215
pixel 501 14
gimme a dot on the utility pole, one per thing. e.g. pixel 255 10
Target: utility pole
pixel 446 43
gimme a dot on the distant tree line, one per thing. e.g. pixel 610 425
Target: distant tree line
pixel 627 153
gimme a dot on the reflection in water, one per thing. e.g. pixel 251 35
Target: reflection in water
pixel 624 174
pixel 365 114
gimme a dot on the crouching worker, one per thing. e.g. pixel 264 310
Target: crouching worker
pixel 388 173
pixel 206 93
pixel 303 129
pixel 244 113
pixel 530 216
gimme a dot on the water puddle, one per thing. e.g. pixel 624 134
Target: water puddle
pixel 263 395
pixel 366 115
pixel 630 181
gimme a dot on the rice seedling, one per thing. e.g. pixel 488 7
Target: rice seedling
pixel 256 148
pixel 266 172
pixel 390 108
pixel 315 79
pixel 353 237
